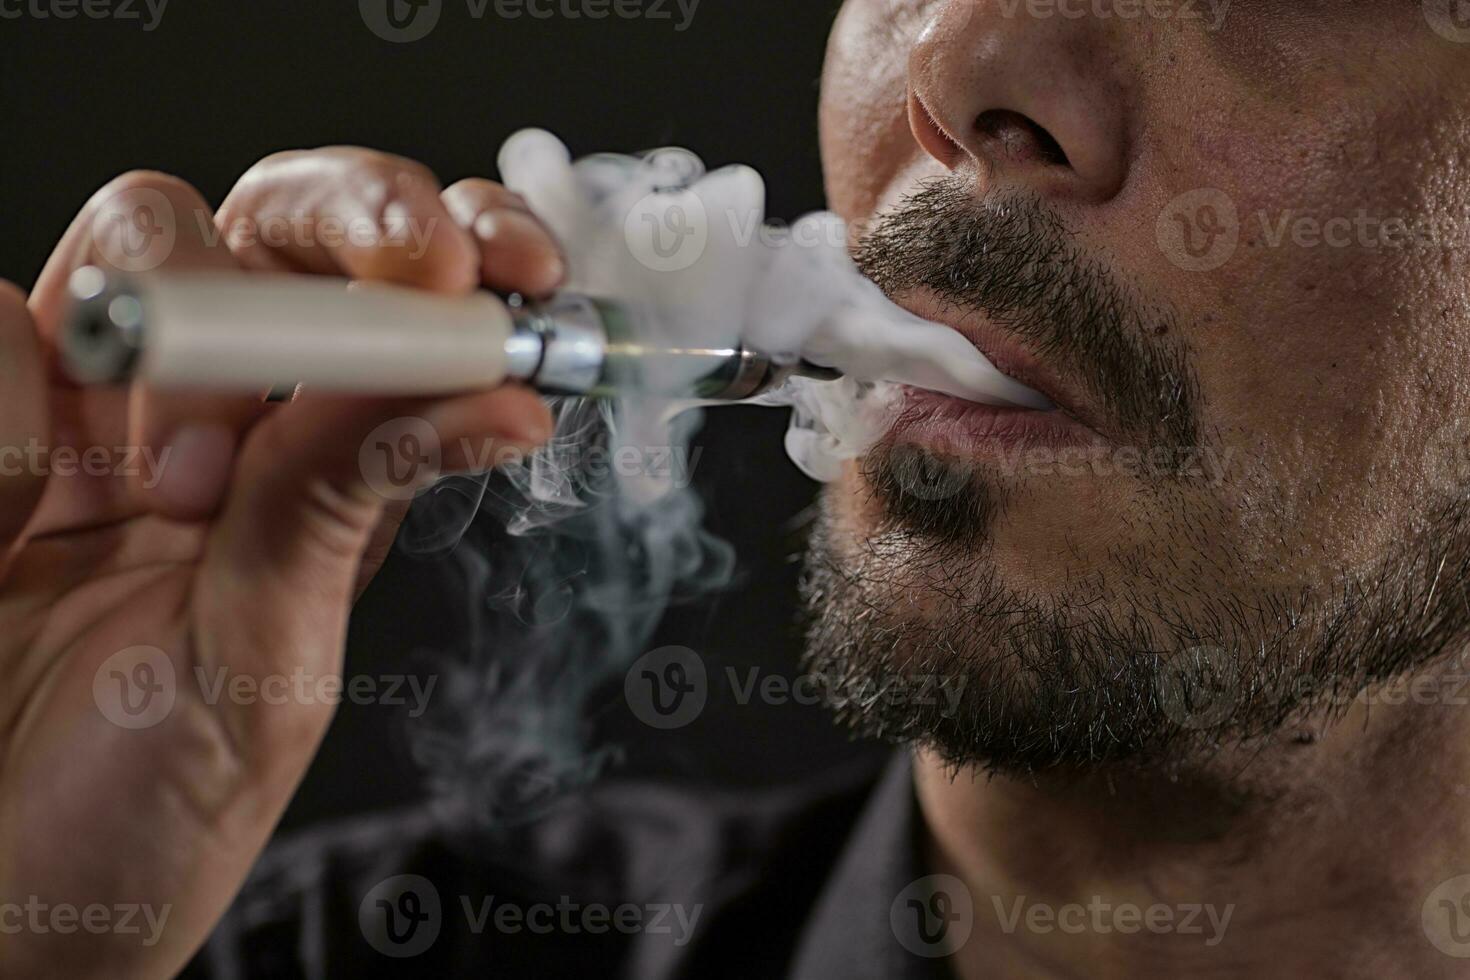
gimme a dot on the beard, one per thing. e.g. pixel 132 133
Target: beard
pixel 987 675
pixel 1174 650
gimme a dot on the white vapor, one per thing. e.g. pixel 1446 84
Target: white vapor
pixel 576 588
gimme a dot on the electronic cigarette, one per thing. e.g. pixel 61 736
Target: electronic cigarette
pixel 248 332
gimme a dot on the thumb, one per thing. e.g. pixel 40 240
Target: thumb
pixel 23 414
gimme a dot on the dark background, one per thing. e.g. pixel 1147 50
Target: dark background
pixel 220 84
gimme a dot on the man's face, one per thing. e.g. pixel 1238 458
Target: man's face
pixel 1230 240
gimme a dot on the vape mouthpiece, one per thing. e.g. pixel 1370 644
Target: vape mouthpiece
pixel 262 332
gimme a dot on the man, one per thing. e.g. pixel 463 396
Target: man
pixel 1203 625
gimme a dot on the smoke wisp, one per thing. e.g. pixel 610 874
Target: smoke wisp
pixel 578 561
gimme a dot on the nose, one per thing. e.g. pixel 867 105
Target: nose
pixel 1022 99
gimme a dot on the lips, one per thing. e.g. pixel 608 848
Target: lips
pixel 954 426
pixel 958 425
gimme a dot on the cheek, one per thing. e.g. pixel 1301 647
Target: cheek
pixel 1328 341
pixel 865 136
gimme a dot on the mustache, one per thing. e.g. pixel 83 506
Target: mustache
pixel 1013 260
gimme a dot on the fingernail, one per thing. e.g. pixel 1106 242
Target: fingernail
pixel 194 467
pixel 485 226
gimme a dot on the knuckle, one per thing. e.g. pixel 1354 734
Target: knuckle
pixel 267 165
pixel 478 186
pixel 480 193
pixel 175 190
pixel 328 163
pixel 372 179
pixel 388 175
pixel 271 161
pixel 267 169
pixel 405 169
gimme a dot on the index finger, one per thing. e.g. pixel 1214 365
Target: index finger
pixel 347 211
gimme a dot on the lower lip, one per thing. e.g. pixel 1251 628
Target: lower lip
pixel 946 424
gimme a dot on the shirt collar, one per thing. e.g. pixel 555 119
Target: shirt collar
pixel 876 916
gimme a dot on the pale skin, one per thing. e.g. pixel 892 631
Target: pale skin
pixel 252 549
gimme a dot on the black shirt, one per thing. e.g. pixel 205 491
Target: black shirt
pixel 631 880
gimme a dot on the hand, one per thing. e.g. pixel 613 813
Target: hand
pixel 210 537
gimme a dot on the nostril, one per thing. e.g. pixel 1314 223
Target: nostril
pixel 1020 137
pixel 931 136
